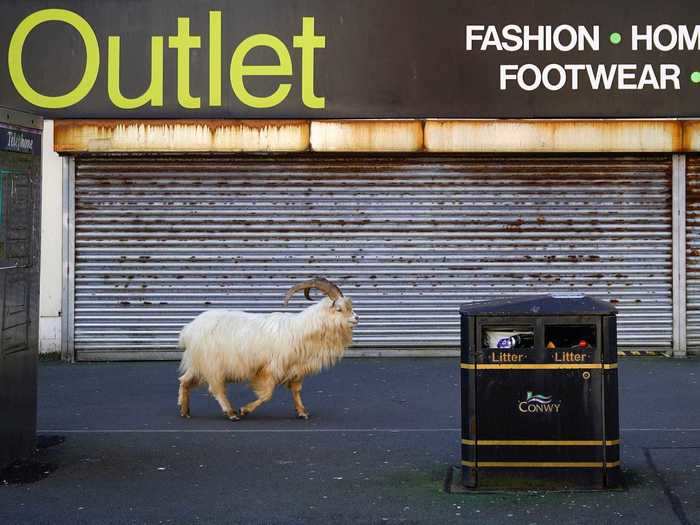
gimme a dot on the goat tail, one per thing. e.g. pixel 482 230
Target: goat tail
pixel 183 344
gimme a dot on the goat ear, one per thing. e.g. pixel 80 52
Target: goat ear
pixel 333 303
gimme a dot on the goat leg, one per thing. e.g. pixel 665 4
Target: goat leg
pixel 218 390
pixel 263 385
pixel 295 387
pixel 187 381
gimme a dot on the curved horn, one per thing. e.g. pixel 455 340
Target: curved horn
pixel 319 283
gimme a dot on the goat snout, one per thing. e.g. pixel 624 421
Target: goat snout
pixel 354 319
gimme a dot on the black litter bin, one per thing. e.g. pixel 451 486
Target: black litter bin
pixel 539 393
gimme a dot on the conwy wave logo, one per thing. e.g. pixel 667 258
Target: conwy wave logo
pixel 538 398
pixel 538 403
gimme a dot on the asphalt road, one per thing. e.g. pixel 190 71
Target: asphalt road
pixel 382 436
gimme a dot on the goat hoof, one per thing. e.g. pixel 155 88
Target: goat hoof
pixel 305 417
pixel 234 417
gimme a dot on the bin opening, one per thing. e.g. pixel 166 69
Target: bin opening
pixel 570 337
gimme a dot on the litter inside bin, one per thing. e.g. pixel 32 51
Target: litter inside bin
pixel 508 340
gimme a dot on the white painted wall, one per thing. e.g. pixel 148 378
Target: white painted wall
pixel 51 246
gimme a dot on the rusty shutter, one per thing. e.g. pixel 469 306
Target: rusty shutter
pixel 157 240
pixel 693 252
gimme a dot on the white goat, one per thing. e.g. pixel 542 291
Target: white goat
pixel 266 350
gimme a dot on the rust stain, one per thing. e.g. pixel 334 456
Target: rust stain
pixel 432 135
pixel 141 135
pixel 554 136
pixel 366 135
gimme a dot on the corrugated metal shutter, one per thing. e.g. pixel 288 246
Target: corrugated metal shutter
pixel 693 252
pixel 158 240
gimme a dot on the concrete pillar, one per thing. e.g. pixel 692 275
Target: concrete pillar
pixel 51 246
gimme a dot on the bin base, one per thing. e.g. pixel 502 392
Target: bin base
pixel 503 481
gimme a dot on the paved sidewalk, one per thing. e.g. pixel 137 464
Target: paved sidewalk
pixel 382 435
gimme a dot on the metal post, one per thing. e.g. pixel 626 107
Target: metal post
pixel 67 347
pixel 679 266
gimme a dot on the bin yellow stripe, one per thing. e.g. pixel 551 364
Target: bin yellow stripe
pixel 543 366
pixel 541 464
pixel 540 442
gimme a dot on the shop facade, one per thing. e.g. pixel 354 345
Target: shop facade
pixel 213 156
pixel 411 218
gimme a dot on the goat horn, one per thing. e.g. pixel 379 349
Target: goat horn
pixel 319 283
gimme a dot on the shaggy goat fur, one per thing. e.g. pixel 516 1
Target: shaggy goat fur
pixel 223 346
